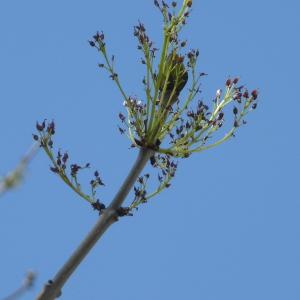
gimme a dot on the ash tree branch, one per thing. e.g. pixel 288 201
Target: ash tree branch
pixel 52 289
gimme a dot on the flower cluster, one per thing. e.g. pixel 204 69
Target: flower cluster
pixel 136 114
pixel 67 172
pixel 144 43
pixel 140 192
pixel 194 131
pixel 166 120
pixel 167 169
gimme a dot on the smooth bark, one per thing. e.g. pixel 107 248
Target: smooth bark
pixel 52 289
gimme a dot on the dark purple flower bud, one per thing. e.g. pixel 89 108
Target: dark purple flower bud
pixel 99 181
pixel 92 44
pixel 122 117
pixel 35 137
pixel 220 116
pixel 246 95
pixel 235 110
pixel 254 94
pixel 65 157
pixel 113 76
pixel 254 105
pixel 122 131
pixel 152 160
pixel 99 37
pixel 54 169
pixel 237 96
pixel 98 206
pixel 96 37
pixel 174 3
pixel 228 82
pixel 235 80
pixel 96 174
pixel 74 169
pixel 102 206
pixel 51 128
pixel 190 55
pixel 40 127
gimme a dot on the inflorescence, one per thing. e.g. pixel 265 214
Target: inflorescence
pixel 67 172
pixel 169 119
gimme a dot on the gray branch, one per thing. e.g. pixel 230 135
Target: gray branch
pixel 53 288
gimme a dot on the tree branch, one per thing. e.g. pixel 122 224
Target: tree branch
pixel 53 288
pixel 26 285
pixel 13 178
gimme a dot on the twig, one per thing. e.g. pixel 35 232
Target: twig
pixel 14 177
pixel 26 285
pixel 110 215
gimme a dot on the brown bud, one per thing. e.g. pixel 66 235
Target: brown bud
pixel 254 94
pixel 228 82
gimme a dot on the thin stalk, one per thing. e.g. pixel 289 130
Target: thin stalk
pixel 159 76
pixel 26 285
pixel 66 179
pixel 52 290
pixel 14 177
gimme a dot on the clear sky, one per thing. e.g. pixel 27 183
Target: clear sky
pixel 229 226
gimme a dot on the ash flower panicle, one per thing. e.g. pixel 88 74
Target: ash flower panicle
pixel 170 118
pixel 164 114
pixel 67 172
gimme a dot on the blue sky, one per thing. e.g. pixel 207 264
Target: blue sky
pixel 229 226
